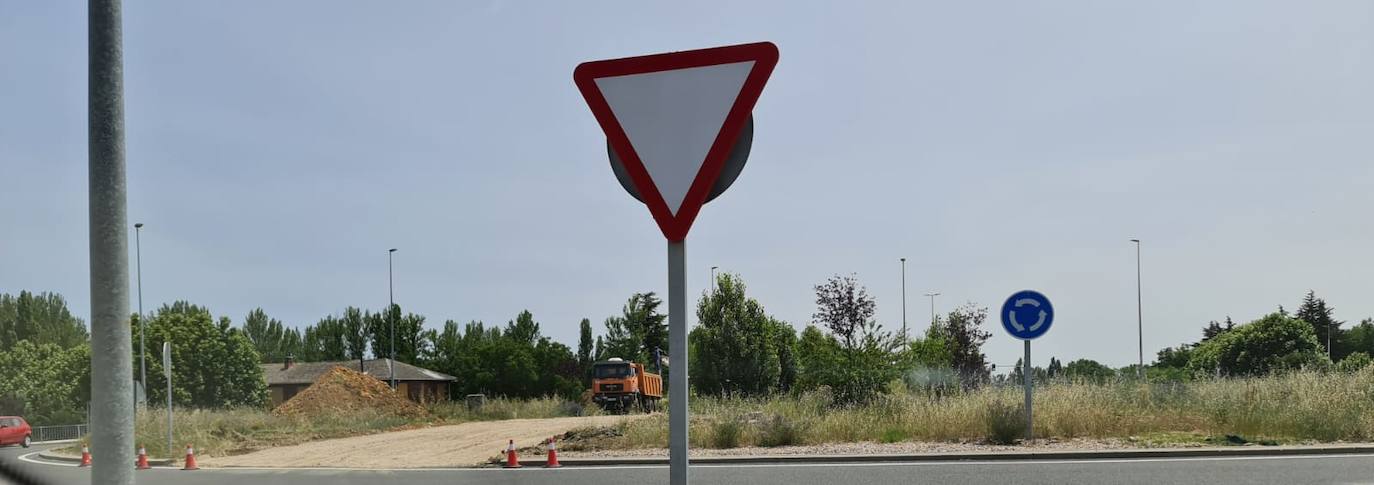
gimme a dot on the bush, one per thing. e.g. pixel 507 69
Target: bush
pixel 727 433
pixel 892 435
pixel 1275 342
pixel 1354 363
pixel 1006 422
pixel 779 431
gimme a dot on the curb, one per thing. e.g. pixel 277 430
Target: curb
pixel 988 456
pixel 50 456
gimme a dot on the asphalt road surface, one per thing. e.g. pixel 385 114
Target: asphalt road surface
pixel 1317 469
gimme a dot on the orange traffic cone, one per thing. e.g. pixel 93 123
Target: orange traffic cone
pixel 85 456
pixel 142 459
pixel 553 455
pixel 511 460
pixel 190 459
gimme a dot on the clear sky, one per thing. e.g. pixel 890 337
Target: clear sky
pixel 276 150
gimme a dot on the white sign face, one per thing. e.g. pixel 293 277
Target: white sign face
pixel 673 117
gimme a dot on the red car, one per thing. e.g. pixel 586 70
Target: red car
pixel 15 431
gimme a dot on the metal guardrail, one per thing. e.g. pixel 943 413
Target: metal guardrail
pixel 58 433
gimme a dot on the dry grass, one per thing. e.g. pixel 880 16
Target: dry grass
pixel 1287 408
pixel 226 432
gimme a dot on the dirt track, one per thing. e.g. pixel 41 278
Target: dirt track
pixel 464 444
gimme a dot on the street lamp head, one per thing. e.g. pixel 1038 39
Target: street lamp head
pixel 392 250
pixel 138 225
pixel 713 268
pixel 903 260
pixel 1137 241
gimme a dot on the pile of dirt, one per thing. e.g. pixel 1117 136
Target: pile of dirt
pixel 343 390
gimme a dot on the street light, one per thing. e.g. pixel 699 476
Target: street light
pixel 390 313
pixel 142 325
pixel 932 306
pixel 1139 316
pixel 904 300
pixel 713 279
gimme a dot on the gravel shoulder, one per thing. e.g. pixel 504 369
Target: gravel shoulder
pixel 459 445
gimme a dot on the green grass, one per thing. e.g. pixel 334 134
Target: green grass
pixel 1291 408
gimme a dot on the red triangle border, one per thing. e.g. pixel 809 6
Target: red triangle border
pixel 765 57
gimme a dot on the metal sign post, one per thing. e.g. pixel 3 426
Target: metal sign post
pixel 1027 315
pixel 679 127
pixel 677 340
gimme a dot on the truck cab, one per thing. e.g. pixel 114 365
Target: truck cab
pixel 621 385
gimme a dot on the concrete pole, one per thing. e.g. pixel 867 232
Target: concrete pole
pixel 112 380
pixel 677 362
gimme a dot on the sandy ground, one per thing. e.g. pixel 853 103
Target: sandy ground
pixel 464 444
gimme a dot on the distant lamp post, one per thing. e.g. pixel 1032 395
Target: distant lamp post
pixel 142 325
pixel 904 338
pixel 390 314
pixel 932 306
pixel 1139 316
pixel 713 279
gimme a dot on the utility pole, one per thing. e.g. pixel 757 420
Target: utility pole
pixel 713 279
pixel 112 412
pixel 1139 315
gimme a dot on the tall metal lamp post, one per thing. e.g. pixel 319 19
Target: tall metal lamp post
pixel 390 315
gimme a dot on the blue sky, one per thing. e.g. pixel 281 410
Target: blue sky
pixel 276 150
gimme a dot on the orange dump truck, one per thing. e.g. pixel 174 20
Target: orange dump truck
pixel 618 385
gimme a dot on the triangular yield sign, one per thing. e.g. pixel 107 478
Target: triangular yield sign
pixel 673 118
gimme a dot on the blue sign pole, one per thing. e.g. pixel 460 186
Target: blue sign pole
pixel 1027 315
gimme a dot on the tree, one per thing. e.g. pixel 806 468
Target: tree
pixel 1274 342
pixel 268 335
pixel 41 318
pixel 638 330
pixel 213 364
pixel 354 328
pixel 516 363
pixel 1174 357
pixel 818 357
pixel 325 341
pixel 585 349
pixel 1359 338
pixel 1089 371
pixel 734 349
pixel 929 360
pixel 1055 368
pixel 867 359
pixel 1214 329
pixel 45 382
pixel 1315 312
pixel 846 310
pixel 963 326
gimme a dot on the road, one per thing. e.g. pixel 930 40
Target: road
pixel 1316 469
